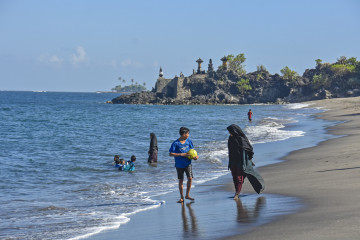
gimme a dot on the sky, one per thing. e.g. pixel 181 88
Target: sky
pixel 86 45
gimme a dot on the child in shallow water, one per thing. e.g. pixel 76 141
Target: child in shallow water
pixel 128 166
pixel 132 163
pixel 122 164
pixel 116 161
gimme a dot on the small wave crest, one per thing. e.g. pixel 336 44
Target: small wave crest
pixel 296 105
pixel 271 130
pixel 116 222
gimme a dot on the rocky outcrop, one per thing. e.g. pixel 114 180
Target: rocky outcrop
pixel 221 87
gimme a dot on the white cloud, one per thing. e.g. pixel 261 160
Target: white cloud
pixel 79 56
pixel 126 63
pixel 55 59
pixel 131 63
pixel 50 59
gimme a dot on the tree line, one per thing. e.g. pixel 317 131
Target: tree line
pixel 343 74
pixel 134 87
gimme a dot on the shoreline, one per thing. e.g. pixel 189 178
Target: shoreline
pixel 325 177
pixel 294 203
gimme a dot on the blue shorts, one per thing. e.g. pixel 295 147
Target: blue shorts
pixel 187 170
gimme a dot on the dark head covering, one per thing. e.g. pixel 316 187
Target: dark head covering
pixel 153 142
pixel 237 144
pixel 239 140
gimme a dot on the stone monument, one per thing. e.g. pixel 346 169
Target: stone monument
pixel 161 74
pixel 199 61
pixel 224 65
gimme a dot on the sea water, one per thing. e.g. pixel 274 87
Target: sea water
pixel 56 156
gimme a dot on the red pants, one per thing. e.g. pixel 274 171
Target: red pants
pixel 238 178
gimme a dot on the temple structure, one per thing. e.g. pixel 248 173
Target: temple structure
pixel 210 66
pixel 224 64
pixel 199 62
pixel 174 87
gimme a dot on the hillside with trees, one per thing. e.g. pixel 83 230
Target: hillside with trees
pixel 232 85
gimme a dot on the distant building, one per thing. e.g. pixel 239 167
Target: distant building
pixel 210 66
pixel 199 61
pixel 161 74
pixel 224 64
pixel 174 87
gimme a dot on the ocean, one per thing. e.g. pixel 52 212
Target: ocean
pixel 56 156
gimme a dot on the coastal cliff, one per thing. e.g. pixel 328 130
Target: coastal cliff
pixel 228 86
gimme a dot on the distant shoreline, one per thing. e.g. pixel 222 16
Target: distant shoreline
pixel 114 92
pixel 51 91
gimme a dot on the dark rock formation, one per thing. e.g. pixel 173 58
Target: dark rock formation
pixel 221 87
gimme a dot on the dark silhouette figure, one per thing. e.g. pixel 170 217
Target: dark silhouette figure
pixel 153 149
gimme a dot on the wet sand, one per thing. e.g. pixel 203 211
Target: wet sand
pixel 213 215
pixel 326 178
pixel 313 194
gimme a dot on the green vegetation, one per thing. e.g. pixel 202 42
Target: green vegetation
pixel 129 88
pixel 259 76
pixel 318 62
pixel 289 74
pixel 319 81
pixel 343 75
pixel 342 70
pixel 236 63
pixel 261 68
pixel 243 85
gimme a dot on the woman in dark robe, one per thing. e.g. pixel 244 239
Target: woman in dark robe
pixel 153 149
pixel 240 155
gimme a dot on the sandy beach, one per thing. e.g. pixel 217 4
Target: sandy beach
pixel 312 194
pixel 325 177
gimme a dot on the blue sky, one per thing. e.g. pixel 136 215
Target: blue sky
pixel 85 45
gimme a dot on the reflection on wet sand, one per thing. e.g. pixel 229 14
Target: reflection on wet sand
pixel 192 231
pixel 213 216
pixel 249 214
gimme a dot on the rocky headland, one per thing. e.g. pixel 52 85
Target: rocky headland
pixel 227 85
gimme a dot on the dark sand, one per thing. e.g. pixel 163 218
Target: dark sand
pixel 325 177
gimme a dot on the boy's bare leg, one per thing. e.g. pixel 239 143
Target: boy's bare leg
pixel 181 190
pixel 188 188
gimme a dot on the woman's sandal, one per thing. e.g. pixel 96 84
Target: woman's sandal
pixel 190 198
pixel 181 200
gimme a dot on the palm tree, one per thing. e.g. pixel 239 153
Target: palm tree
pixel 144 83
pixel 132 81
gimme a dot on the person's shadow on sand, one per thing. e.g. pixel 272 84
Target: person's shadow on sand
pixel 192 231
pixel 245 215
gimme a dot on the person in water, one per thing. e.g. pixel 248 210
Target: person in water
pixel 240 155
pixel 122 164
pixel 153 149
pixel 131 163
pixel 116 161
pixel 250 113
pixel 179 150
